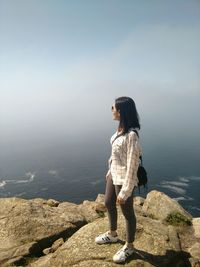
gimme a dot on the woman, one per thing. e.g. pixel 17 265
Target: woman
pixel 121 178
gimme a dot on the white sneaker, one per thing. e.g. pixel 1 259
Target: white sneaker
pixel 123 254
pixel 106 238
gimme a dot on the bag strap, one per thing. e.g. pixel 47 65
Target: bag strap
pixel 117 137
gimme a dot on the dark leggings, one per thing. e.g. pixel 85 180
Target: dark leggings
pixel 127 209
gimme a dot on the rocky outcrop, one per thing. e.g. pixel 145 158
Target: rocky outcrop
pixel 27 227
pixel 46 233
pixel 159 206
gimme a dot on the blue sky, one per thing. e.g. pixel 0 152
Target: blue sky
pixel 62 60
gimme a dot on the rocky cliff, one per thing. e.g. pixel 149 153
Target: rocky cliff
pixel 48 233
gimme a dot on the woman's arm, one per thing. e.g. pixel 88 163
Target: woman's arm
pixel 133 154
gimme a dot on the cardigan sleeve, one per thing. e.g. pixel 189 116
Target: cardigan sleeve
pixel 133 154
pixel 109 162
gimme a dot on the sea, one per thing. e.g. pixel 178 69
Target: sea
pixel 73 170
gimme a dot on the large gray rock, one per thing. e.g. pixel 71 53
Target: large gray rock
pixel 158 205
pixel 29 226
pixel 47 233
pixel 156 244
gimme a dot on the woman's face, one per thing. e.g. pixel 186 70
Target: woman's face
pixel 115 113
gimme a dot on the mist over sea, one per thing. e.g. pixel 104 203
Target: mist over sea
pixel 73 170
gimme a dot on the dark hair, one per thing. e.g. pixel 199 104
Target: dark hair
pixel 129 118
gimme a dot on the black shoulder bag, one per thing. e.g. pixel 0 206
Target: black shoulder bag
pixel 141 173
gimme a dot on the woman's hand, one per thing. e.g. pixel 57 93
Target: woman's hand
pixel 120 200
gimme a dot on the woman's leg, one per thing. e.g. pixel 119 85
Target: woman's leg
pixel 110 203
pixel 130 218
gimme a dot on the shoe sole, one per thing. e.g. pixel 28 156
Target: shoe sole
pixel 100 243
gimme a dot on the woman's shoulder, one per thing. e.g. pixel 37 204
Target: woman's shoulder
pixel 132 134
pixel 132 131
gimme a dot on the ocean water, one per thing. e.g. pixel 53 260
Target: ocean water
pixel 75 171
